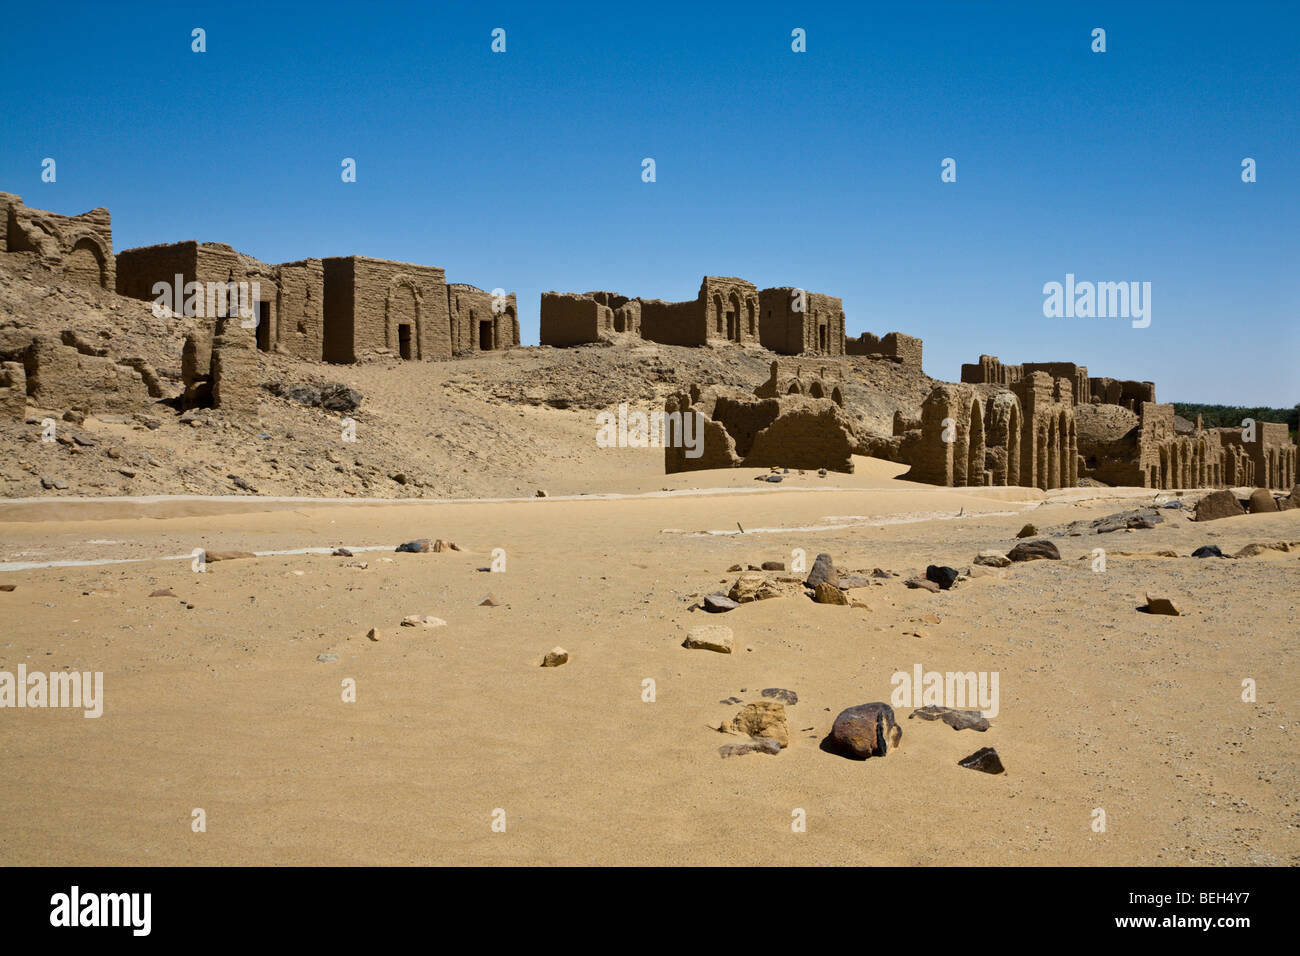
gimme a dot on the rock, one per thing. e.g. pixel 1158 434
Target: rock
pixel 941 575
pixel 418 546
pixel 162 592
pixel 327 658
pixel 985 759
pixel 1218 504
pixel 787 697
pixel 925 584
pixel 303 395
pixel 541 493
pixel 956 719
pixel 375 634
pixel 47 483
pixel 735 567
pixel 241 484
pixel 719 603
pixel 775 478
pixel 75 416
pixel 1208 551
pixel 867 730
pixel 993 559
pixel 7 587
pixel 1261 501
pixel 709 637
pixel 1028 531
pixel 1285 502
pixel 827 593
pixel 341 553
pixel 762 718
pixel 754 745
pixel 337 397
pixel 754 586
pixel 1034 551
pixel 488 600
pixel 213 556
pixel 1161 605
pixel 847 582
pixel 422 620
pixel 1140 522
pixel 823 569
pixel 1256 548
pixel 773 565
pixel 984 571
pixel 440 546
pixel 555 657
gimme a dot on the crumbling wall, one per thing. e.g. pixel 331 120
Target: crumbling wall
pixel 569 318
pixel 478 322
pixel 951 448
pixel 730 309
pixel 235 367
pixel 797 322
pixel 893 346
pixel 79 247
pixel 1123 392
pixel 300 310
pixel 13 392
pixel 792 377
pixel 57 374
pixel 673 323
pixel 791 431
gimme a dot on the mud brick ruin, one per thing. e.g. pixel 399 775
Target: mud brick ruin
pixel 79 247
pixel 1025 436
pixel 1038 424
pixel 336 309
pixel 1127 394
pixel 1048 424
pixel 727 310
pixel 895 346
pixel 795 419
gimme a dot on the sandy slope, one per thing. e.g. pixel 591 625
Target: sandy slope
pixel 225 707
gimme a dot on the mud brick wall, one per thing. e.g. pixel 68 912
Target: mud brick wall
pixel 139 269
pixel 475 325
pixel 673 323
pixel 568 318
pixel 13 392
pixel 730 308
pixel 300 310
pixel 80 247
pixel 895 346
pixel 60 377
pixel 369 303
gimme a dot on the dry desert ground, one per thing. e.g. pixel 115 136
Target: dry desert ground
pixel 215 698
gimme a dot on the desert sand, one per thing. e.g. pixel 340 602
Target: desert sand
pixel 224 705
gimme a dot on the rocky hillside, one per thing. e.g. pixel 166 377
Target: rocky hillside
pixel 497 424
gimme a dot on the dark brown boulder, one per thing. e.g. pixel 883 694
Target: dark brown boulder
pixel 867 730
pixel 985 759
pixel 1219 504
pixel 1034 551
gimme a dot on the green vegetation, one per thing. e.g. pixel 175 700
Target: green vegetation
pixel 1230 416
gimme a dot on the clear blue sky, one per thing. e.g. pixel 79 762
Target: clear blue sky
pixel 817 169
